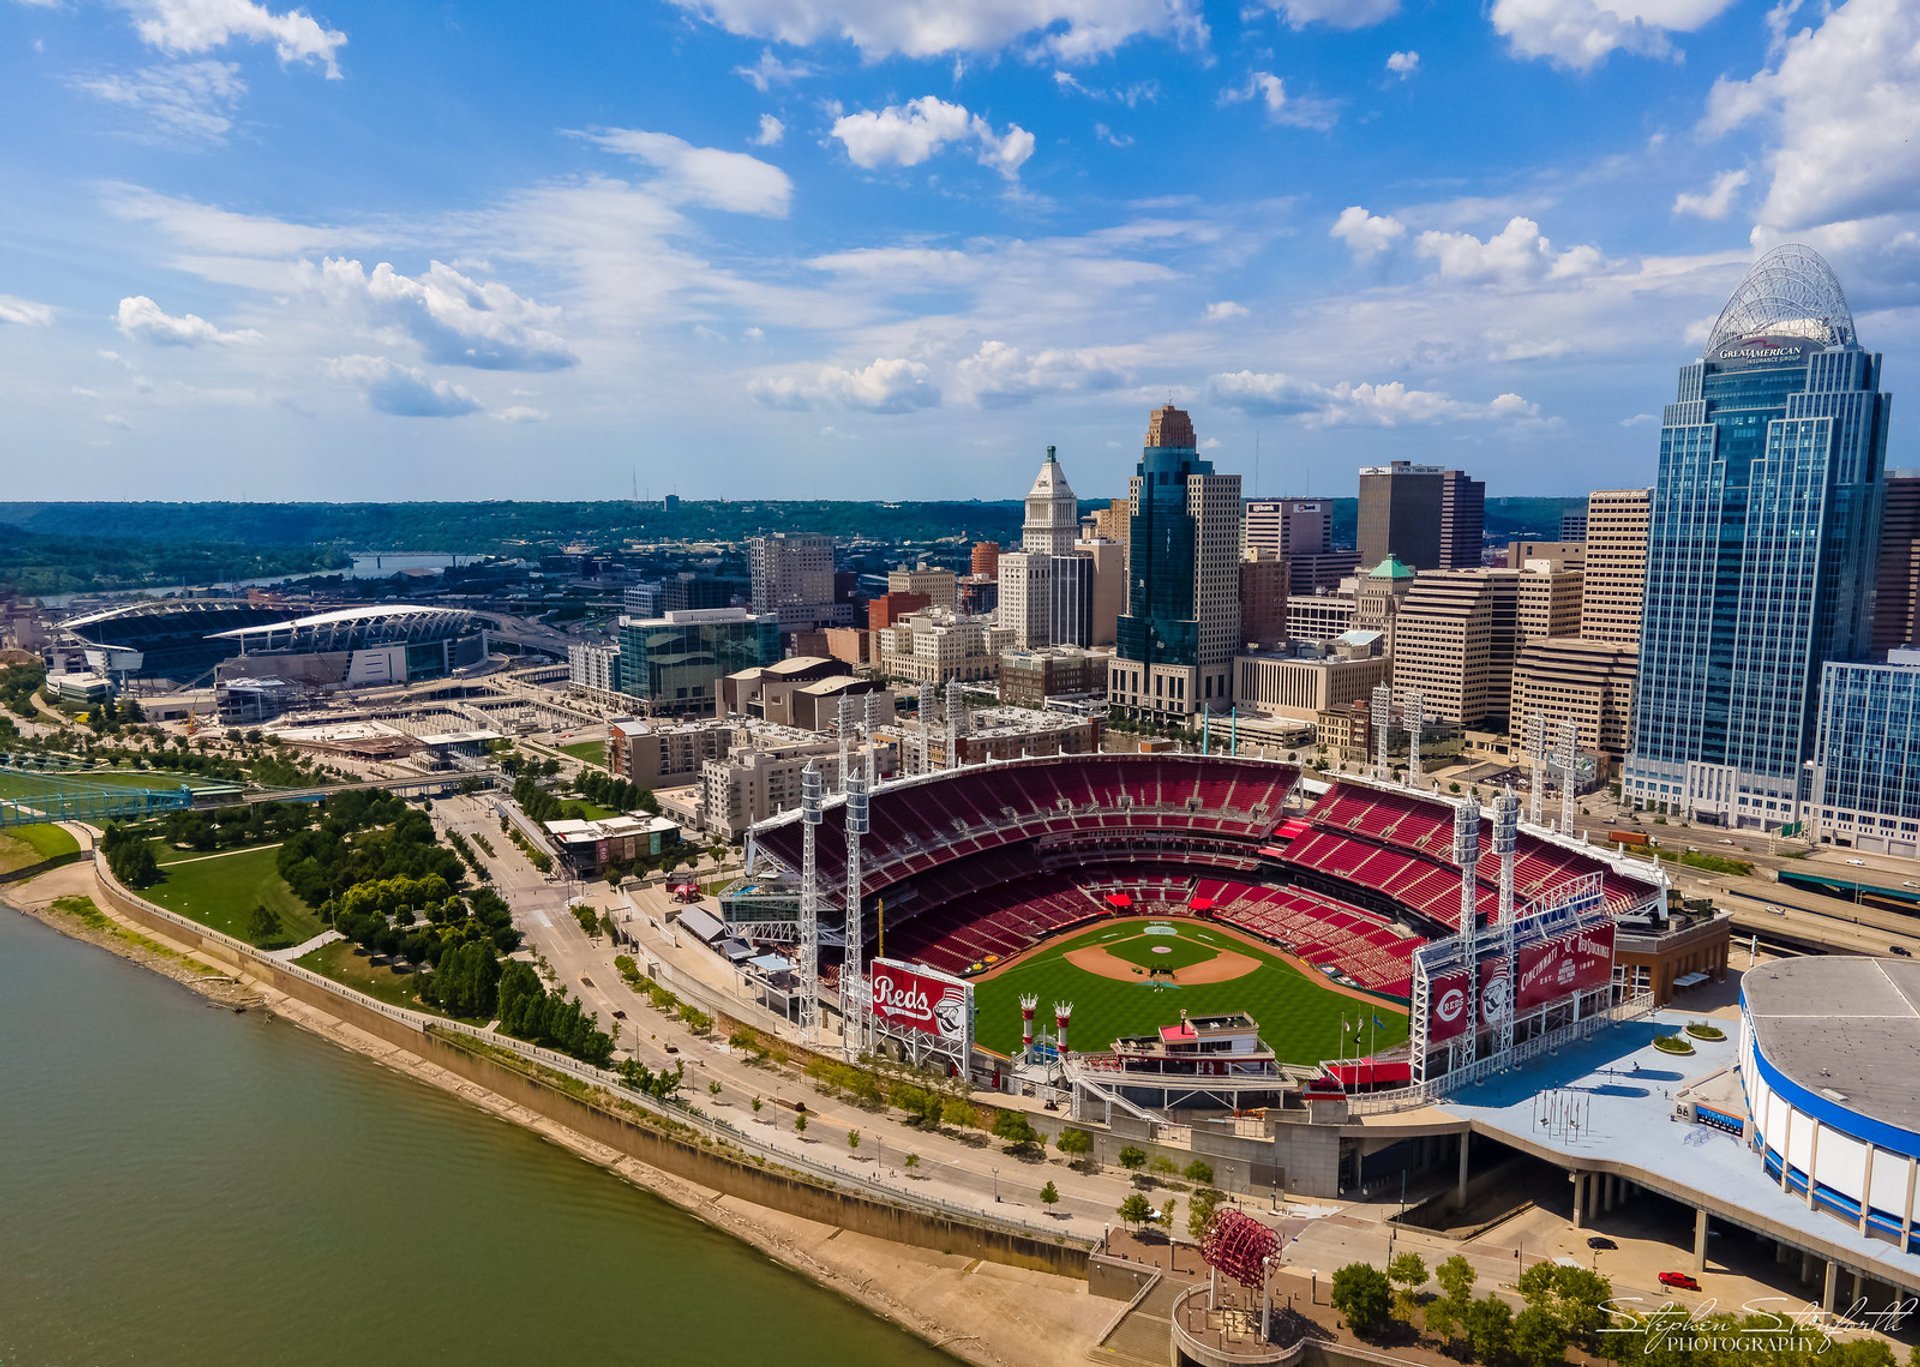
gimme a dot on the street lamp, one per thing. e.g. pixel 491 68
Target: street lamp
pixel 996 1184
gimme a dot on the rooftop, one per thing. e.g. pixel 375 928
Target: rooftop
pixel 1847 1028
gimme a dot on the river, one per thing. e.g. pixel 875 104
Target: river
pixel 181 1185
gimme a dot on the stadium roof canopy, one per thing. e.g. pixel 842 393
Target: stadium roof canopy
pixel 1847 1028
pixel 355 628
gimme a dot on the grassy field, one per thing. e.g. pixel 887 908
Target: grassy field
pixel 345 962
pixel 592 751
pixel 24 845
pixel 18 785
pixel 222 891
pixel 1299 1015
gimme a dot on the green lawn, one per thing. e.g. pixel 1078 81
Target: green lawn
pixel 24 845
pixel 593 811
pixel 221 892
pixel 1299 1015
pixel 345 962
pixel 592 751
pixel 15 784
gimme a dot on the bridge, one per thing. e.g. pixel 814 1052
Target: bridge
pixel 34 797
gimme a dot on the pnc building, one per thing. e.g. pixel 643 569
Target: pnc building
pixel 1761 546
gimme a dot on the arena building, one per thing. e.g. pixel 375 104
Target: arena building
pixel 359 647
pixel 177 640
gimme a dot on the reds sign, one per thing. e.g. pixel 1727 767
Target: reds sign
pixel 921 999
pixel 1579 961
pixel 1447 1012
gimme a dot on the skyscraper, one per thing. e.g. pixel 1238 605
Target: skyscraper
pixel 793 578
pixel 1896 587
pixel 1286 527
pixel 1053 514
pixel 1761 547
pixel 1616 564
pixel 1176 643
pixel 1046 587
pixel 1426 516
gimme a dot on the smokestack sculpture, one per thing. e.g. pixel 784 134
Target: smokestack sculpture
pixel 1062 1014
pixel 1028 1005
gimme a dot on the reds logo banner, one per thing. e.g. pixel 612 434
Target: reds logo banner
pixel 921 999
pixel 1447 1012
pixel 1577 962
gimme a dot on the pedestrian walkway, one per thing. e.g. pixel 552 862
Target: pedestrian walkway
pixel 325 937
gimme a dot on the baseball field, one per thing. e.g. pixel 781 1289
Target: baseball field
pixel 1132 977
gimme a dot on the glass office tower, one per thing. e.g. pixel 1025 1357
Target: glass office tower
pixel 1760 548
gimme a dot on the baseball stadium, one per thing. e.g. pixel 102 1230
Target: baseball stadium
pixel 1143 890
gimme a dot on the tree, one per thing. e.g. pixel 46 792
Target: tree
pixel 757 1104
pixel 1361 1293
pixel 1016 1129
pixel 910 1162
pixel 1200 1208
pixel 1074 1143
pixel 1133 1159
pixel 1539 1339
pixel 263 925
pixel 1200 1172
pixel 1136 1210
pixel 1049 1195
pixel 800 1123
pixel 1446 1314
pixel 1408 1273
pixel 1166 1215
pixel 853 1141
pixel 1489 1325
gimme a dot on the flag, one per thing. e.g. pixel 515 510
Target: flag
pixel 1378 1024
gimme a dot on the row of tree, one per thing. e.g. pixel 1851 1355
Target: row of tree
pixel 227 828
pixel 620 794
pixel 364 835
pixel 553 1019
pixel 129 856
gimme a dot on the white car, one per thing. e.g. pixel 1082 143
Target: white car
pixel 1858 863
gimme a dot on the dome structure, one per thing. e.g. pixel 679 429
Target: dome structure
pixel 1789 292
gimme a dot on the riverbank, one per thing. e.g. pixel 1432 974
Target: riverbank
pixel 979 1311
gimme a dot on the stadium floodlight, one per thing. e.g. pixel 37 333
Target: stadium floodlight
pixel 811 817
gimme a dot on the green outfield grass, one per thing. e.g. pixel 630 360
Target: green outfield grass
pixel 222 891
pixel 1299 1014
pixel 592 751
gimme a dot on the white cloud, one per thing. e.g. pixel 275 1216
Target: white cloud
pixel 771 131
pixel 1716 201
pixel 887 386
pixel 519 413
pixel 906 135
pixel 1842 104
pixel 1111 138
pixel 1403 64
pixel 1000 375
pixel 24 312
pixel 190 26
pixel 1357 405
pixel 456 319
pixel 1222 310
pixel 1335 13
pixel 1517 254
pixel 1580 34
pixel 1641 420
pixel 1069 30
pixel 142 320
pixel 770 71
pixel 1366 235
pixel 402 391
pixel 177 100
pixel 1132 96
pixel 708 176
pixel 1282 106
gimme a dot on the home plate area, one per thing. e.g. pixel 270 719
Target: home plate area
pixel 1158 954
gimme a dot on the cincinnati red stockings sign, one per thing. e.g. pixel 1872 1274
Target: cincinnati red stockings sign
pixel 919 1000
pixel 1573 963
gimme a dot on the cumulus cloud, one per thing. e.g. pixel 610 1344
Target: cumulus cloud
pixel 1000 375
pixel 1357 405
pixel 1716 201
pixel 906 135
pixel 1282 105
pixel 893 385
pixel 1842 105
pixel 1581 34
pixel 771 132
pixel 402 391
pixel 1221 310
pixel 180 100
pixel 1366 235
pixel 707 176
pixel 1403 64
pixel 1517 254
pixel 1335 13
pixel 142 320
pixel 24 312
pixel 1068 30
pixel 192 26
pixel 456 319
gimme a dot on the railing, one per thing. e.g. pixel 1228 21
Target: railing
pixel 692 1119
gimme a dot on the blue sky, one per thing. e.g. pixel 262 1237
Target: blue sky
pixel 894 248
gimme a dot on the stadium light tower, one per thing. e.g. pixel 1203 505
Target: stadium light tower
pixel 853 1001
pixel 1506 821
pixel 1569 756
pixel 810 813
pixel 1466 853
pixel 929 699
pixel 1382 721
pixel 956 722
pixel 1414 708
pixel 1536 759
pixel 844 726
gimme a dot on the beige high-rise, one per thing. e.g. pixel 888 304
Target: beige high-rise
pixel 1616 565
pixel 1457 632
